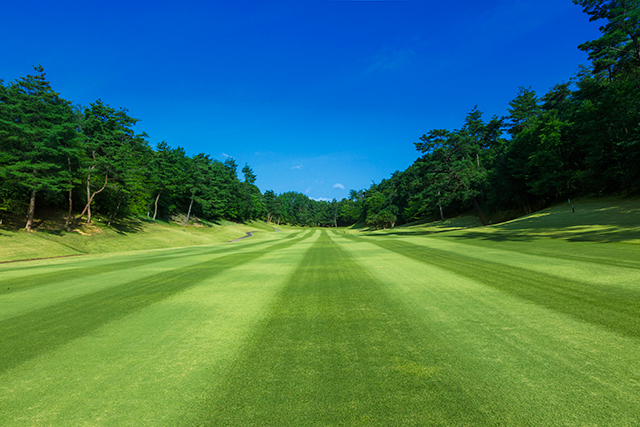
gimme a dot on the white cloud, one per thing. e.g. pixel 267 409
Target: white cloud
pixel 226 155
pixel 307 190
pixel 338 186
pixel 296 167
pixel 321 199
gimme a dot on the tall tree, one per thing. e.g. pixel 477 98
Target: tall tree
pixel 452 159
pixel 249 176
pixel 619 47
pixel 108 140
pixel 37 136
pixel 521 109
pixel 167 171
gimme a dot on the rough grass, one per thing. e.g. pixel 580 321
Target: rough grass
pixel 530 322
pixel 126 236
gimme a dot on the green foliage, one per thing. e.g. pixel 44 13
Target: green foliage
pixel 38 139
pixel 618 50
pixel 582 137
pixel 48 148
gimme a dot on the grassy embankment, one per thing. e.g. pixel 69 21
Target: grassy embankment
pixel 532 322
pixel 131 235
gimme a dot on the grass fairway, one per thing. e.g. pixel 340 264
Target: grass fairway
pixel 515 324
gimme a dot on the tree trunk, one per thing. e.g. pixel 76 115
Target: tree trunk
pixel 89 199
pixel 66 225
pixel 32 209
pixel 189 212
pixel 484 221
pixel 155 209
pixel 441 214
pixel 87 208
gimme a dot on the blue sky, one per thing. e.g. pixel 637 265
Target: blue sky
pixel 316 96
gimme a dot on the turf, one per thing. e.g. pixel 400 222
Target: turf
pixel 516 324
pixel 134 235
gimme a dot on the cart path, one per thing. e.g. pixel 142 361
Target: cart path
pixel 249 234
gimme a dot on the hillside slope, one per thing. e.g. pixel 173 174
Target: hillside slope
pixel 138 235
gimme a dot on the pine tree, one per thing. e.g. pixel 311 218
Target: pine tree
pixel 38 135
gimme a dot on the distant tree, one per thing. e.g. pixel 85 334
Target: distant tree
pixel 232 167
pixel 249 176
pixel 333 211
pixel 270 204
pixel 352 208
pixel 521 109
pixel 452 163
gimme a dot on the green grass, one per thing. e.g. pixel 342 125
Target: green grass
pixel 130 236
pixel 531 322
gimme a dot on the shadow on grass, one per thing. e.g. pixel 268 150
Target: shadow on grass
pixel 127 226
pixel 603 221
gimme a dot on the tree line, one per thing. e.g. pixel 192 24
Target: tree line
pixel 582 137
pixel 89 159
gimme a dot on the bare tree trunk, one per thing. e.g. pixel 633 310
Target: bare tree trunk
pixel 440 206
pixel 32 209
pixel 87 208
pixel 189 212
pixel 66 225
pixel 89 199
pixel 155 209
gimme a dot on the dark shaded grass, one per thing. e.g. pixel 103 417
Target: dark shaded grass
pixel 606 253
pixel 42 279
pixel 614 308
pixel 37 332
pixel 336 350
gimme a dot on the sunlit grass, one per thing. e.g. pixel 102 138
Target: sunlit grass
pixel 137 235
pixel 531 322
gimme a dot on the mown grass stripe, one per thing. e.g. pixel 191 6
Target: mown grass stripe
pixel 45 279
pixel 39 331
pixel 336 350
pixel 26 281
pixel 610 253
pixel 615 308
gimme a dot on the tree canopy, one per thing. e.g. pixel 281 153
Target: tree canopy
pixel 582 137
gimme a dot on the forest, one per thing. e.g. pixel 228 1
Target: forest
pixel 580 138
